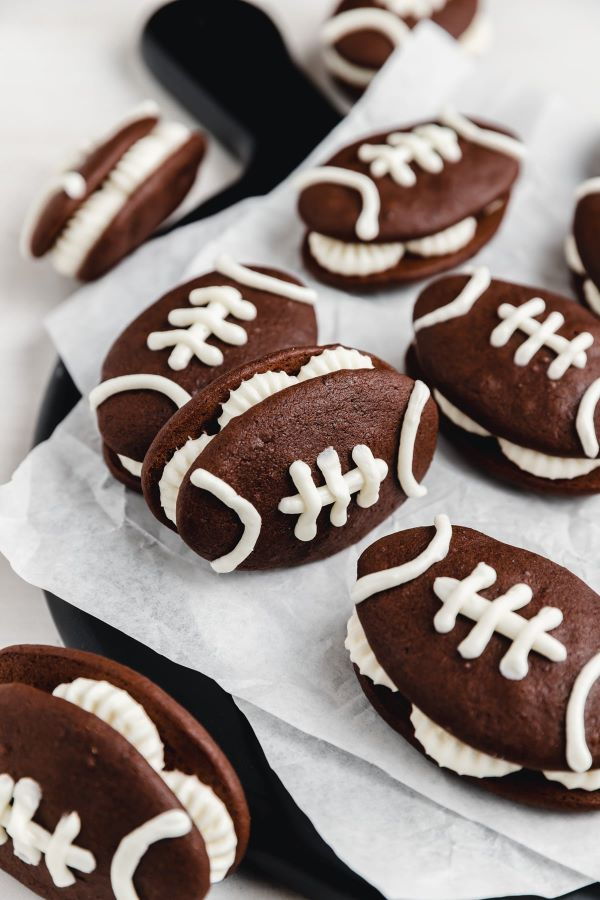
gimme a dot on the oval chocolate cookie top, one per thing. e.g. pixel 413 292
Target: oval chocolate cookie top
pixel 362 34
pixel 516 370
pixel 484 655
pixel 292 458
pixel 192 335
pixel 404 204
pixel 117 780
pixel 114 195
pixel 581 247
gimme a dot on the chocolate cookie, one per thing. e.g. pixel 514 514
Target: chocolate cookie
pixel 581 247
pixel 362 34
pixel 515 371
pixel 403 205
pixel 196 332
pixel 114 194
pixel 291 458
pixel 108 788
pixel 484 656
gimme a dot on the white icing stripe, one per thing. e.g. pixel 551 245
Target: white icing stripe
pixel 175 471
pixel 543 466
pixel 450 753
pixel 119 710
pixel 572 256
pixel 362 656
pixel 410 426
pixel 19 803
pixel 428 146
pixel 485 137
pixel 131 465
pixel 591 186
pixel 337 490
pixel 540 334
pixel 168 825
pixel 141 382
pixel 367 224
pixel 247 513
pixel 339 67
pixel 461 305
pixel 585 421
pixel 386 579
pixel 210 307
pixel 365 18
pixel 210 816
pixel 498 615
pixel 93 217
pixel 227 266
pixel 578 755
pixel 592 295
pixel 416 9
pixel 458 417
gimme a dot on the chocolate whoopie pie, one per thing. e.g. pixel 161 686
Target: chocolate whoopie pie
pixel 291 458
pixel 515 371
pixel 404 205
pixel 484 656
pixel 109 788
pixel 362 34
pixel 196 332
pixel 582 247
pixel 114 194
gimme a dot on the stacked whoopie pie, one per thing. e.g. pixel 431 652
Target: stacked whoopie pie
pixel 113 194
pixel 582 247
pixel 109 790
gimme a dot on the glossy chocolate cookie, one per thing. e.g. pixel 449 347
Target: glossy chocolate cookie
pixel 114 194
pixel 108 788
pixel 403 205
pixel 483 655
pixel 195 333
pixel 291 458
pixel 515 371
pixel 582 248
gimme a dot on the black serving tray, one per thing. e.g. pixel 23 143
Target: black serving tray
pixel 222 59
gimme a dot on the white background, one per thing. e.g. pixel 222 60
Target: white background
pixel 67 69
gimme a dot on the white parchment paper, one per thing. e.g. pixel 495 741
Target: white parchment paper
pixel 275 640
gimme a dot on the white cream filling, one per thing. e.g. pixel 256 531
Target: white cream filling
pixel 128 717
pixel 448 751
pixel 131 465
pixel 248 394
pixel 349 259
pixel 94 216
pixel 532 461
pixel 574 262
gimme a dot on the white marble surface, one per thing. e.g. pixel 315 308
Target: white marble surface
pixel 67 68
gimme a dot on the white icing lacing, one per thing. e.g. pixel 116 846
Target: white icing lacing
pixel 19 803
pixel 131 465
pixel 227 266
pixel 592 295
pixel 362 656
pixel 242 398
pixel 410 426
pixel 171 824
pixel 578 755
pixel 585 421
pixel 119 710
pixel 344 258
pixel 92 218
pixel 416 9
pixel 210 308
pixel 337 490
pixel 367 223
pixel 540 334
pixel 590 291
pixel 428 146
pixel 461 305
pixel 485 137
pixel 246 512
pixel 498 615
pixel 209 815
pixel 387 579
pixel 450 753
pixel 141 382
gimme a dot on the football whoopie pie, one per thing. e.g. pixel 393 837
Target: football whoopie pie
pixel 406 204
pixel 361 35
pixel 582 248
pixel 109 788
pixel 196 332
pixel 291 458
pixel 515 371
pixel 114 194
pixel 485 657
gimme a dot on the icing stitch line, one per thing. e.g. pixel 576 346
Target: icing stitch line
pixel 387 579
pixel 141 382
pixel 474 289
pixel 352 20
pixel 419 396
pixel 428 146
pixel 173 823
pixel 227 266
pixel 590 291
pixel 591 186
pixel 367 224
